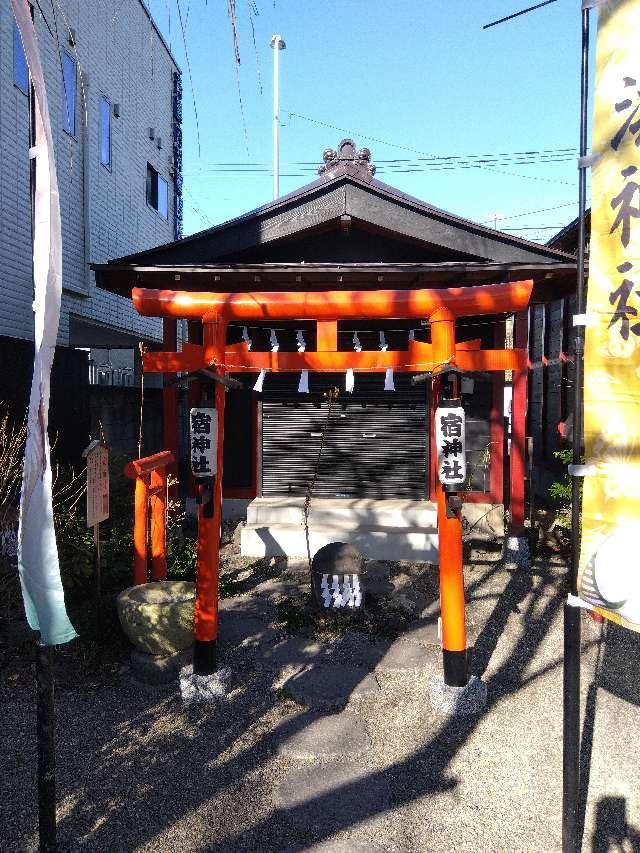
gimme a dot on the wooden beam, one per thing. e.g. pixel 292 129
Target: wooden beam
pixel 419 357
pixel 492 359
pixel 327 335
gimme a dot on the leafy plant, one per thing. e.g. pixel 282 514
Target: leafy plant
pixel 560 490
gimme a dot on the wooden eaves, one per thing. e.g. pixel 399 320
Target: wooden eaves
pixel 552 280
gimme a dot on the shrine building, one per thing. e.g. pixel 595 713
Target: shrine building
pixel 374 482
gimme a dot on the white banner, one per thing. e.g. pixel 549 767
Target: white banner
pixel 37 549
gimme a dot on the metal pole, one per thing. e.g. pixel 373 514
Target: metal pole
pixel 46 749
pixel 277 44
pixel 571 670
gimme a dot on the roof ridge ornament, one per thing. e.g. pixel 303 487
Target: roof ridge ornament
pixel 346 161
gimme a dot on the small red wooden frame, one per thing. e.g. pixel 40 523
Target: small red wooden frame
pixel 150 475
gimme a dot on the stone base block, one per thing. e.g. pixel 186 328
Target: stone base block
pixel 458 701
pixel 198 689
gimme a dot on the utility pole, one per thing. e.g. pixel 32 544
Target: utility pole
pixel 277 43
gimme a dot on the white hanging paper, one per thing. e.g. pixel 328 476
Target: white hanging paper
pixel 300 341
pixel 38 563
pixel 384 346
pixel 356 342
pixel 412 335
pixel 245 337
pixel 273 341
pixel 349 381
pixel 388 380
pixel 260 381
pixel 303 384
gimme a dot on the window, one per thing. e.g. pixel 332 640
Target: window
pixel 157 192
pixel 20 67
pixel 69 80
pixel 105 131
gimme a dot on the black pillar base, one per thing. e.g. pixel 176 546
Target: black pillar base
pixel 204 657
pixel 456 668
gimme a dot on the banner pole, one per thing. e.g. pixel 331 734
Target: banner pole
pixel 571 668
pixel 46 749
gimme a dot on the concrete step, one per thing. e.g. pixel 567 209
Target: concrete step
pixel 359 512
pixel 375 542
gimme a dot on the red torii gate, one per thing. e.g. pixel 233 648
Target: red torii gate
pixel 440 307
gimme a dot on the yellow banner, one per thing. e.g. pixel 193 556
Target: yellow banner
pixel 609 575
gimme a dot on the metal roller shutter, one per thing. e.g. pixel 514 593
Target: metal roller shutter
pixel 375 447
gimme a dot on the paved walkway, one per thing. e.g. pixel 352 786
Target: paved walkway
pixel 333 746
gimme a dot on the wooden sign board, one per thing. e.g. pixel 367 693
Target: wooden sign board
pixel 97 456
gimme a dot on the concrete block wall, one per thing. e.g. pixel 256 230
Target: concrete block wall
pixel 104 211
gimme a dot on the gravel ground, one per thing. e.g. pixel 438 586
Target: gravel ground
pixel 138 772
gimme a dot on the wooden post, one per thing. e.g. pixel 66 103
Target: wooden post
pixel 454 639
pixel 150 475
pixel 159 524
pixel 140 530
pixel 98 593
pixel 209 524
pixel 518 426
pixel 170 403
pixel 327 336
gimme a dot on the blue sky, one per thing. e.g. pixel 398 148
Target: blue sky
pixel 407 79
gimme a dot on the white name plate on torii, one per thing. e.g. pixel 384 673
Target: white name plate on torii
pixel 203 444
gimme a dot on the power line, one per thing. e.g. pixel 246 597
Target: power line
pixel 517 14
pixel 193 91
pixel 533 212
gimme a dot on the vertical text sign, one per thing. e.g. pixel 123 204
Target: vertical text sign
pixel 450 441
pixel 608 574
pixel 97 456
pixel 203 428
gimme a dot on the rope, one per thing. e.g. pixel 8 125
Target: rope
pixel 141 348
pixel 330 396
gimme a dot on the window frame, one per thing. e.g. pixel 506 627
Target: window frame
pixel 17 43
pixel 105 100
pixel 152 191
pixel 66 115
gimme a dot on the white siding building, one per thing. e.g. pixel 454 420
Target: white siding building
pixel 114 98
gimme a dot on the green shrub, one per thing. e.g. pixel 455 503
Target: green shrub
pixel 560 490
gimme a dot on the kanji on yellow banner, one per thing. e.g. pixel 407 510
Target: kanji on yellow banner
pixel 609 576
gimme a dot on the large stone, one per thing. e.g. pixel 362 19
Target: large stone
pixel 311 738
pixel 341 795
pixel 482 521
pixel 158 617
pixel 331 687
